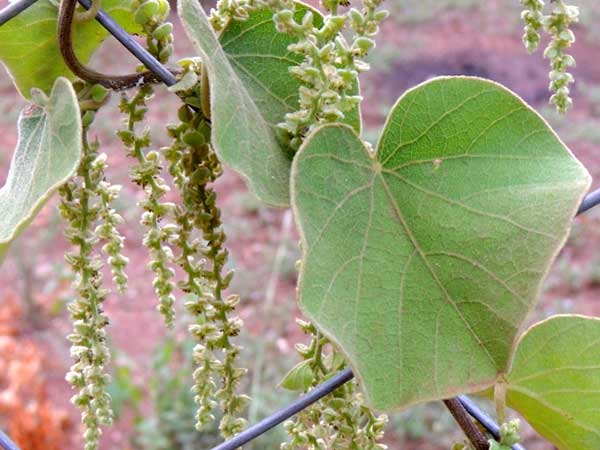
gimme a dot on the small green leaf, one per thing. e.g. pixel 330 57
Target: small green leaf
pixel 47 154
pixel 554 380
pixel 251 91
pixel 29 47
pixel 98 93
pixel 186 82
pixel 461 446
pixel 299 379
pixel 495 445
pixel 422 261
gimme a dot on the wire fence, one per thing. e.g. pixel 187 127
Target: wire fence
pixel 163 74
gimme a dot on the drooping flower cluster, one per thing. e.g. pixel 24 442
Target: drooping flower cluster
pixel 146 173
pixel 341 420
pixel 558 26
pixel 107 229
pixel 152 15
pixel 86 206
pixel 194 240
pixel 533 16
pixel 202 256
pixel 331 66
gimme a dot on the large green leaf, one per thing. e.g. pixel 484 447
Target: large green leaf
pixel 554 381
pixel 251 91
pixel 422 261
pixel 47 154
pixel 29 48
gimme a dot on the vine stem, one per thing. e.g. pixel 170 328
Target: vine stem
pixel 463 419
pixel 65 40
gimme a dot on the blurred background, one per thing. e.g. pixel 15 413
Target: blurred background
pixel 151 368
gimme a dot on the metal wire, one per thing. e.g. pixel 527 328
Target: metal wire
pixel 113 28
pixel 14 9
pixel 132 45
pixel 483 419
pixel 6 443
pixel 275 419
pixel 590 200
pixel 333 383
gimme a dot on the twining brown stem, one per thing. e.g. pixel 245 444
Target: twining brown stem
pixel 463 419
pixel 65 41
pixel 86 16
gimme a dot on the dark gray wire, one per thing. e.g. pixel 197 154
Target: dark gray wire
pixel 283 414
pixel 590 200
pixel 483 419
pixel 113 28
pixel 6 443
pixel 130 44
pixel 14 9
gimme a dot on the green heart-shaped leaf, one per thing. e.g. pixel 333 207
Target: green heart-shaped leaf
pixel 29 47
pixel 554 381
pixel 251 91
pixel 47 154
pixel 300 378
pixel 421 261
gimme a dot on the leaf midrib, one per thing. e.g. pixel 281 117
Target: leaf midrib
pixel 417 247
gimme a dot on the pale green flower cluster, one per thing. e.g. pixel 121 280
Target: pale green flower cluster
pixel 195 167
pixel 151 14
pixel 227 10
pixel 558 26
pixel 147 174
pixel 331 66
pixel 509 436
pixel 341 420
pixel 533 16
pixel 86 206
pixel 107 229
